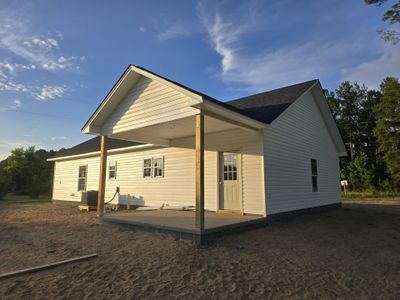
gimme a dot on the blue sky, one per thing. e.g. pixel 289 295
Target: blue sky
pixel 58 59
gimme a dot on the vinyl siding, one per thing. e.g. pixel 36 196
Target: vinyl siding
pixel 295 137
pixel 177 187
pixel 148 102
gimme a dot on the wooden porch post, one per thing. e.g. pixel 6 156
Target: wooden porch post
pixel 102 175
pixel 200 171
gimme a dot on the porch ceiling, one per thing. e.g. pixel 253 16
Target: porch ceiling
pixel 163 133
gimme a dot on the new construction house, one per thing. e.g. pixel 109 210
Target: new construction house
pixel 166 145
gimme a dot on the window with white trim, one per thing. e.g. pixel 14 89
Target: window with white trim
pixel 153 167
pixel 112 170
pixel 82 178
pixel 314 175
pixel 147 165
pixel 158 167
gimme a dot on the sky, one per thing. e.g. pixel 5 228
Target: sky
pixel 59 59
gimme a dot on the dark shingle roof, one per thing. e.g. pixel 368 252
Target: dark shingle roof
pixel 267 106
pixel 93 145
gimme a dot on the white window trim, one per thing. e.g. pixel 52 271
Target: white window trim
pixel 152 168
pixel 86 176
pixel 112 164
pixel 162 166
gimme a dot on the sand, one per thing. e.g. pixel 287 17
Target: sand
pixel 351 253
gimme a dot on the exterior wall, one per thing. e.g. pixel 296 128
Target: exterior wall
pixel 295 137
pixel 177 187
pixel 149 102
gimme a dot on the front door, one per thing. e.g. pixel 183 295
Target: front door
pixel 230 181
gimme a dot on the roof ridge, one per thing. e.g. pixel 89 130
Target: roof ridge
pixel 273 90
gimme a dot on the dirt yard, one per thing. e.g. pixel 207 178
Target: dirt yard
pixel 352 253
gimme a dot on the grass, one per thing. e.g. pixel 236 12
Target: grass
pixel 10 198
pixel 363 196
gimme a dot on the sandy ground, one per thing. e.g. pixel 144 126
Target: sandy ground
pixel 352 253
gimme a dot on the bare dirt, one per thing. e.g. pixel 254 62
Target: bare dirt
pixel 350 253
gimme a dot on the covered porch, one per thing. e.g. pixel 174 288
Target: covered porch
pixel 144 107
pixel 181 224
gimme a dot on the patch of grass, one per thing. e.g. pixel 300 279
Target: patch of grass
pixel 10 198
pixel 363 196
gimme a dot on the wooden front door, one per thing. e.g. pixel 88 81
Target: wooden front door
pixel 230 181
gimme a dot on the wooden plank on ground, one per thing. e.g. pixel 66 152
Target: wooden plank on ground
pixel 47 266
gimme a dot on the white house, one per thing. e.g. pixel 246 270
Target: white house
pixel 265 154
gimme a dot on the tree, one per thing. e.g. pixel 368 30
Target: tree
pixel 27 171
pixel 392 16
pixel 359 173
pixel 387 130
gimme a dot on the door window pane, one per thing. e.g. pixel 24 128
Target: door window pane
pixel 230 167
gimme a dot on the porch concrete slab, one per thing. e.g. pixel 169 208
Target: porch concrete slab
pixel 181 224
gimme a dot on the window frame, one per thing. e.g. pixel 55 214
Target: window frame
pixel 153 169
pixel 154 159
pixel 112 164
pixel 147 167
pixel 81 177
pixel 314 175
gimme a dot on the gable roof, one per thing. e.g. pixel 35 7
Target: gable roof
pixel 267 106
pixel 143 71
pixel 264 107
pixel 93 145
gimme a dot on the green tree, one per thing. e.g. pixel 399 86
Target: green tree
pixel 387 130
pixel 392 15
pixel 359 173
pixel 25 169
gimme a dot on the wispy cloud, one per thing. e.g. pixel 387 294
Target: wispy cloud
pixel 50 92
pixel 58 138
pixel 16 37
pixel 175 31
pixel 16 104
pixel 372 72
pixel 295 62
pixel 142 29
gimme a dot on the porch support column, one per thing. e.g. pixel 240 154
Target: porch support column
pixel 102 175
pixel 200 171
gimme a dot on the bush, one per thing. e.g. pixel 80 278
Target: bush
pixel 4 185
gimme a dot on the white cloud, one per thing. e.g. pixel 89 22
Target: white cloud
pixel 12 86
pixel 17 38
pixel 50 92
pixel 223 36
pixel 142 29
pixel 293 63
pixel 58 138
pixel 16 104
pixel 44 43
pixel 175 31
pixel 372 72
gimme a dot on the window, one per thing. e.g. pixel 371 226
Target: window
pixel 314 175
pixel 158 166
pixel 230 167
pixel 112 170
pixel 153 167
pixel 82 178
pixel 147 164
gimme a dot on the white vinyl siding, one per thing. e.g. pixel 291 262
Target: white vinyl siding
pixel 292 139
pixel 177 186
pixel 148 102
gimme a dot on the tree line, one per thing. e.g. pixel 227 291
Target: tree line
pixel 368 120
